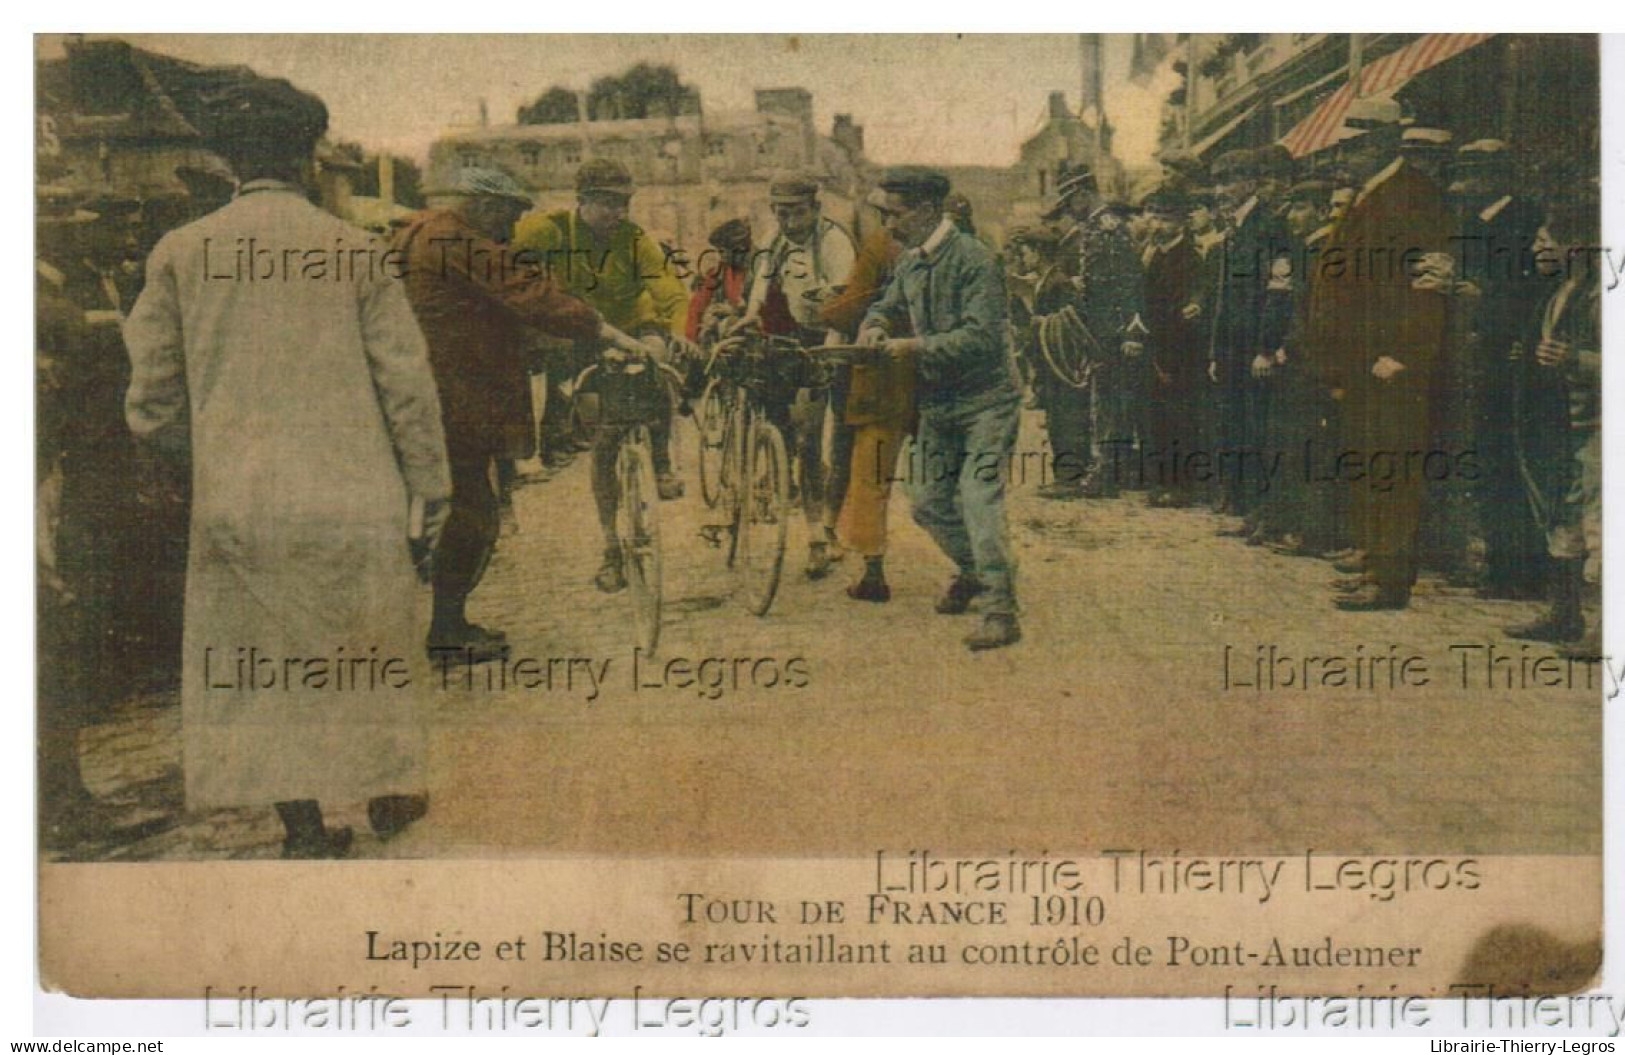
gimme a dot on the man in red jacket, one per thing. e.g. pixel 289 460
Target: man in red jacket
pixel 473 298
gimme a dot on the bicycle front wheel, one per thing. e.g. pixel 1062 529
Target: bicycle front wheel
pixel 764 520
pixel 637 525
pixel 713 423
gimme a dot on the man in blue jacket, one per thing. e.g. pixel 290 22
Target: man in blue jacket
pixel 950 290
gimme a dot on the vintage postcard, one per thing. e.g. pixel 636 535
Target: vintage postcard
pixel 524 520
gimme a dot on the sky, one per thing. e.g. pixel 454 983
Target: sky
pixel 943 99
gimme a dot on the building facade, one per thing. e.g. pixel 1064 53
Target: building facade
pixel 692 171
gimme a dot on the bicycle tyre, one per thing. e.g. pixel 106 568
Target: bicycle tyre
pixel 764 523
pixel 637 526
pixel 712 421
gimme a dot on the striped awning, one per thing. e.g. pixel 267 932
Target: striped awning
pixel 1388 74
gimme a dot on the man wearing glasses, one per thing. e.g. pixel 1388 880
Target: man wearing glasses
pixel 950 290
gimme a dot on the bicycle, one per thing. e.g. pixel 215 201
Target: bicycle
pixel 716 407
pixel 629 395
pixel 755 377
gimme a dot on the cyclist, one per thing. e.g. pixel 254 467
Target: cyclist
pixel 798 272
pixel 597 253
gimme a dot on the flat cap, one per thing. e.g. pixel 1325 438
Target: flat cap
pixel 1235 165
pixel 916 179
pixel 1314 191
pixel 266 115
pixel 1483 154
pixel 789 189
pixel 1373 111
pixel 1040 235
pixel 1167 198
pixel 478 182
pixel 1273 159
pixel 604 176
pixel 731 234
pixel 1419 136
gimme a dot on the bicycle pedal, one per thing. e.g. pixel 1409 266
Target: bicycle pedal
pixel 712 534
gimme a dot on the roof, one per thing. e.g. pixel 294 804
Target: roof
pixel 109 89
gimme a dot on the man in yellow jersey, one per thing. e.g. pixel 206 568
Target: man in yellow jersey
pixel 596 253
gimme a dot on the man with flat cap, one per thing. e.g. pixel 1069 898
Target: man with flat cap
pixel 794 276
pixel 1240 360
pixel 1513 402
pixel 719 290
pixel 950 290
pixel 597 253
pixel 1179 355
pixel 476 304
pixel 1378 329
pixel 1111 302
pixel 299 381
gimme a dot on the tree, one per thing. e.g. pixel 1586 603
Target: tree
pixel 408 177
pixel 556 106
pixel 642 91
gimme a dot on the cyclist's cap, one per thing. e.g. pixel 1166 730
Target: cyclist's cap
pixel 916 180
pixel 732 234
pixel 478 182
pixel 790 190
pixel 604 176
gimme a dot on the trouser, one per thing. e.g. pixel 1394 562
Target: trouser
pixel 1576 528
pixel 1066 419
pixel 843 437
pixel 871 469
pixel 606 489
pixel 1514 549
pixel 1176 430
pixel 803 427
pixel 469 537
pixel 963 511
pixel 1243 408
pixel 1385 516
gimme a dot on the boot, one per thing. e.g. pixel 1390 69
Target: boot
pixel 961 592
pixel 997 631
pixel 611 577
pixel 818 563
pixel 389 815
pixel 308 839
pixel 872 587
pixel 1562 621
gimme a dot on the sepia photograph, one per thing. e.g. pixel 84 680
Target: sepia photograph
pixel 798 516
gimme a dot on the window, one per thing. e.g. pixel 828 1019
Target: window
pixel 572 154
pixel 532 153
pixel 716 148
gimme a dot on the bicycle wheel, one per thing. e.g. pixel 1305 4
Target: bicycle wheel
pixel 712 420
pixel 637 525
pixel 764 521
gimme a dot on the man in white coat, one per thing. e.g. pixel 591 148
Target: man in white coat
pixel 276 342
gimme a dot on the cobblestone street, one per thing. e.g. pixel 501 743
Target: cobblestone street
pixel 1109 726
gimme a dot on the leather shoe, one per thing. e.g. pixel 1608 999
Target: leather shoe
pixel 669 486
pixel 475 643
pixel 960 593
pixel 1374 598
pixel 1353 564
pixel 389 815
pixel 818 564
pixel 996 631
pixel 611 578
pixel 869 590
